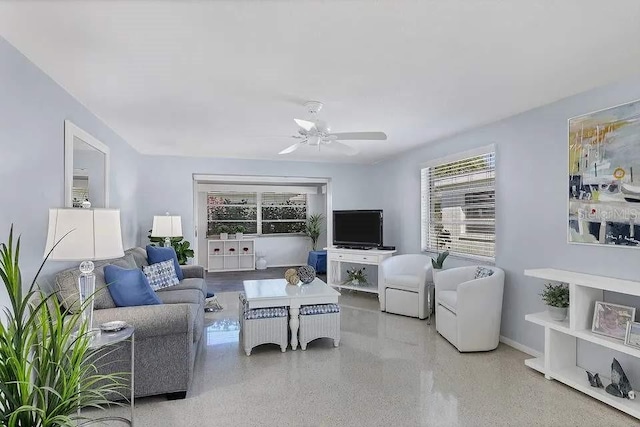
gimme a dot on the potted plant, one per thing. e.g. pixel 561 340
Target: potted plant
pixel 438 262
pixel 356 276
pixel 239 229
pixel 224 232
pixel 556 296
pixel 313 228
pixel 48 369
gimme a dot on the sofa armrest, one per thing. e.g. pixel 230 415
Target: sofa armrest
pixel 193 271
pixel 151 320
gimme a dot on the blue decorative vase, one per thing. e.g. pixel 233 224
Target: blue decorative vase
pixel 306 273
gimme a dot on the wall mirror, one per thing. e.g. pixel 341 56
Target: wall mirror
pixel 86 169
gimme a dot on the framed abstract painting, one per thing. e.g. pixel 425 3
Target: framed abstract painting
pixel 604 177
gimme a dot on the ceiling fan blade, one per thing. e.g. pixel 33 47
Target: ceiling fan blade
pixel 305 124
pixel 371 136
pixel 290 149
pixel 342 148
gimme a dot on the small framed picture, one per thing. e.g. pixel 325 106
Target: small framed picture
pixel 611 319
pixel 632 338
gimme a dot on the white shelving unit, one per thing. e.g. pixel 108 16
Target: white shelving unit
pixel 231 255
pixel 561 338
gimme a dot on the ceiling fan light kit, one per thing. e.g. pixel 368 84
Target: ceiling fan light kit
pixel 317 133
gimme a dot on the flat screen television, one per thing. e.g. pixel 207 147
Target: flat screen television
pixel 357 229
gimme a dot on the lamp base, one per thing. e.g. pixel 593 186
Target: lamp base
pixel 87 289
pixel 167 242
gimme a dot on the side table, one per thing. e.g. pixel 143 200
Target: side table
pixel 105 339
pixel 318 260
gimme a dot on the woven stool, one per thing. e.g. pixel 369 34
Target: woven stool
pixel 319 321
pixel 262 326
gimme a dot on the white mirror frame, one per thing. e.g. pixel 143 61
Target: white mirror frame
pixel 71 131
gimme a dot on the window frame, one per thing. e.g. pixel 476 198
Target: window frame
pixel 259 221
pixel 425 203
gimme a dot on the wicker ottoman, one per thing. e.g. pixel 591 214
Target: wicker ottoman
pixel 319 321
pixel 262 326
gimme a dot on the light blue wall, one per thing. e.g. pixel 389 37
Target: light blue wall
pixel 32 113
pixel 167 184
pixel 531 197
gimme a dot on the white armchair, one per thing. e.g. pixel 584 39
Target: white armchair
pixel 469 310
pixel 403 285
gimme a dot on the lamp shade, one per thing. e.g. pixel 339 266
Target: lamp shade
pixel 167 226
pixel 93 234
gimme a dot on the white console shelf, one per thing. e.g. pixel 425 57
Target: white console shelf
pixel 231 255
pixel 337 256
pixel 560 338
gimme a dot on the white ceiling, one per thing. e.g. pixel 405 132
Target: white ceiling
pixel 226 78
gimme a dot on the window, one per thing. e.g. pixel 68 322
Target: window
pixel 458 206
pixel 259 213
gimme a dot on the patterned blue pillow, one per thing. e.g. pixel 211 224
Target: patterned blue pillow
pixel 161 275
pixel 482 272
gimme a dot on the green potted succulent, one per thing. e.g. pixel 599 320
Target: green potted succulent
pixel 47 367
pixel 181 246
pixel 313 228
pixel 556 296
pixel 438 262
pixel 239 229
pixel 223 230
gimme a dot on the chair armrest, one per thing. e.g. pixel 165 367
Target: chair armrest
pixel 151 320
pixel 448 280
pixel 192 271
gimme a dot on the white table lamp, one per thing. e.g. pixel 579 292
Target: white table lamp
pixel 167 226
pixel 84 235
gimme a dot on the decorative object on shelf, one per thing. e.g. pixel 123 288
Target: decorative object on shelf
pixel 620 385
pixel 224 236
pixel 224 231
pixel 611 319
pixel 313 228
pixel 557 299
pixel 603 147
pixel 84 235
pixel 438 262
pixel 245 250
pixel 31 333
pixel 356 276
pixel 290 272
pixel 86 204
pixel 216 250
pixel 232 250
pixel 306 273
pixel 239 229
pixel 261 261
pixel 594 380
pixel 632 336
pixel 293 279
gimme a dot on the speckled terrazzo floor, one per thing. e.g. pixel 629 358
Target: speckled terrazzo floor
pixel 388 371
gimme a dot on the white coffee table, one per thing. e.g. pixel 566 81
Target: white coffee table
pixel 277 293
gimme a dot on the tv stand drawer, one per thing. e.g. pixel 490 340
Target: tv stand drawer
pixel 365 259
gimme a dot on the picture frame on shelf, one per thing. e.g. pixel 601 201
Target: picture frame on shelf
pixel 632 336
pixel 611 319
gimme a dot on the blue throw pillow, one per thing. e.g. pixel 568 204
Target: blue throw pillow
pixel 129 287
pixel 156 254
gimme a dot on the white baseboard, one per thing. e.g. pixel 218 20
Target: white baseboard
pixel 521 347
pixel 285 265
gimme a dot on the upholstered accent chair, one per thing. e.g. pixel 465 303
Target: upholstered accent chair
pixel 469 306
pixel 403 285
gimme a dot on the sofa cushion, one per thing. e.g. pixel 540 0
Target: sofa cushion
pixel 161 275
pixel 448 299
pixel 157 254
pixel 188 296
pixel 129 287
pixel 403 281
pixel 139 255
pixel 197 284
pixel 66 284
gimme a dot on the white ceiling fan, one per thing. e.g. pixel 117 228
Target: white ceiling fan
pixel 316 133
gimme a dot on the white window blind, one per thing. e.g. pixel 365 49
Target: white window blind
pixel 283 213
pixel 228 212
pixel 458 206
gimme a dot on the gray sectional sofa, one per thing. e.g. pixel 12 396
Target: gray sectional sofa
pixel 167 336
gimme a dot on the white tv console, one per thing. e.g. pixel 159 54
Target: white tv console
pixel 337 256
pixel 559 361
